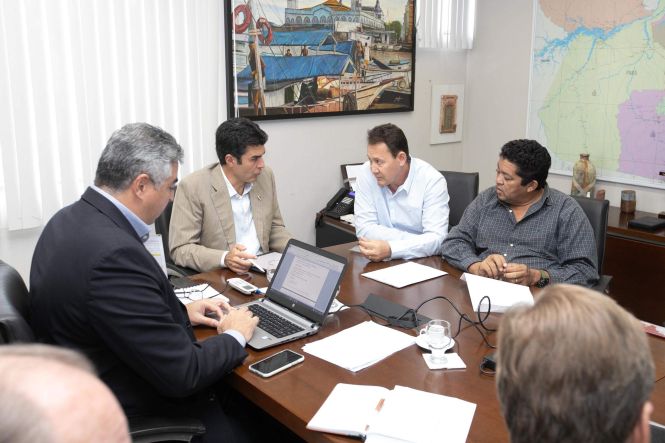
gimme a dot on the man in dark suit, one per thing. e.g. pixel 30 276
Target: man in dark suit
pixel 95 288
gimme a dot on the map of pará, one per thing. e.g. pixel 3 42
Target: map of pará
pixel 598 86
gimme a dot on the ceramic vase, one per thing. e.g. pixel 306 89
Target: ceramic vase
pixel 584 177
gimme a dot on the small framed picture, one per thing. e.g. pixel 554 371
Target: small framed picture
pixel 446 113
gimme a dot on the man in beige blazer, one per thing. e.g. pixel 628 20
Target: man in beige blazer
pixel 227 213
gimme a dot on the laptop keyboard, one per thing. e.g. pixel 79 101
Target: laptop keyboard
pixel 273 323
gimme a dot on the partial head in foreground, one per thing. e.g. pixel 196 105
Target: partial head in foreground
pixel 51 394
pixel 574 367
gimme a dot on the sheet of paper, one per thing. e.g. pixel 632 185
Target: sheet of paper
pixel 269 260
pixel 337 306
pixel 404 275
pixel 349 218
pixel 352 171
pixel 199 292
pixel 359 346
pixel 502 294
pixel 421 417
pixel 155 247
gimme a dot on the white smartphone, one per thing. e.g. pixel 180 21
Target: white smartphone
pixel 278 362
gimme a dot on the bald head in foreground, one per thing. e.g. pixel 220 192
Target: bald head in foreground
pixel 574 367
pixel 50 394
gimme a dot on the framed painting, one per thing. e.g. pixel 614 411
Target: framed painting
pixel 311 58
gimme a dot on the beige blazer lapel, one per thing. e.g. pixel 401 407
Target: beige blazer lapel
pixel 219 194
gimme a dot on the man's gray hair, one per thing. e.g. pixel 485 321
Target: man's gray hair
pixel 134 149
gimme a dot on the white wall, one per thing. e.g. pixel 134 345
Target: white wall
pixel 497 89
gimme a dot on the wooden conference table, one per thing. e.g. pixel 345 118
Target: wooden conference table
pixel 293 396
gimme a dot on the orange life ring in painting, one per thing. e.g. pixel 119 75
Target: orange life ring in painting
pixel 247 17
pixel 260 25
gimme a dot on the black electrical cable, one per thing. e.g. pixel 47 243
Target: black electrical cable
pixel 412 318
pixel 465 317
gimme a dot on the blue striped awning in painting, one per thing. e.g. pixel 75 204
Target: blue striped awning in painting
pixel 281 71
pixel 345 47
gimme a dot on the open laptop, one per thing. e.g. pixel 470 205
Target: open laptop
pixel 299 295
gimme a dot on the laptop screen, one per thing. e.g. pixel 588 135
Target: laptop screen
pixel 306 277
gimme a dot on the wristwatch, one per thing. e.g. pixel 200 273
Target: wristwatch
pixel 544 279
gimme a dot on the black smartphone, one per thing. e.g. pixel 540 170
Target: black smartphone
pixel 278 362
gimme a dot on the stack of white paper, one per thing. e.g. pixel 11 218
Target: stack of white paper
pixel 360 346
pixel 501 294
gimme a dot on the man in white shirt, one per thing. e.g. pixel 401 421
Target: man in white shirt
pixel 401 207
pixel 227 213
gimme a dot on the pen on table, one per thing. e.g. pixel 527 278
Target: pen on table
pixel 379 405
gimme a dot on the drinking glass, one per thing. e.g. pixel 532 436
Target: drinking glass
pixel 437 335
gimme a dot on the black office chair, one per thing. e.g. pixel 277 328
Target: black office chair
pixel 462 189
pixel 14 328
pixel 162 227
pixel 596 211
pixel 657 432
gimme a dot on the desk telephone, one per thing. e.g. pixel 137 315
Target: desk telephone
pixel 341 203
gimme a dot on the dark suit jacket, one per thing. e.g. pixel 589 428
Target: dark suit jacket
pixel 94 287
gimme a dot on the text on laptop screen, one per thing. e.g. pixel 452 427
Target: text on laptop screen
pixel 307 277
